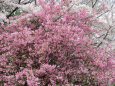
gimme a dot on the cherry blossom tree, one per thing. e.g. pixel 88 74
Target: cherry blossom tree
pixel 54 47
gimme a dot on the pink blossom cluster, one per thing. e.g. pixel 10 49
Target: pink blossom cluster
pixel 53 48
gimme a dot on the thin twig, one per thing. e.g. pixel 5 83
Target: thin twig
pixel 104 37
pixel 8 16
pixel 93 5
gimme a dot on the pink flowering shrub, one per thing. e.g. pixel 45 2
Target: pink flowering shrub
pixel 53 47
